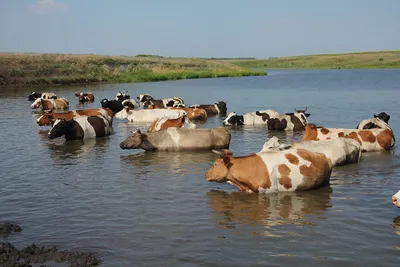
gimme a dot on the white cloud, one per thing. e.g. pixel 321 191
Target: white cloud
pixel 48 6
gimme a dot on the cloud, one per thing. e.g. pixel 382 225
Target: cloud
pixel 49 6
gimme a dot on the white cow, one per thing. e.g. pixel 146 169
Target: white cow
pixel 339 151
pixel 149 115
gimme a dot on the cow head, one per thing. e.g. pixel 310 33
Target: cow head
pixel 121 96
pixel 133 141
pixel 105 103
pixel 37 103
pixel 264 115
pixel 60 127
pixel 45 119
pixel 233 119
pixel 383 116
pixel 33 96
pixel 274 144
pixel 396 199
pixel 144 98
pixel 222 106
pixel 303 111
pixel 128 104
pixel 220 169
pixel 148 103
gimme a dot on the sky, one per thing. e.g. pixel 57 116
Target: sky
pixel 204 28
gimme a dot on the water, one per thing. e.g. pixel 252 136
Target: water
pixel 150 209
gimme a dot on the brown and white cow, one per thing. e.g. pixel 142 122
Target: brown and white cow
pixel 85 97
pixel 192 113
pixel 179 139
pixel 165 122
pixel 370 140
pixel 49 104
pixel 213 109
pixel 396 199
pixel 378 121
pixel 49 117
pixel 290 170
pixel 340 151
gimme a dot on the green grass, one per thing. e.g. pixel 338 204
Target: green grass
pixel 63 69
pixel 381 59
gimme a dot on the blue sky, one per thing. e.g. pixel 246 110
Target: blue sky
pixel 206 28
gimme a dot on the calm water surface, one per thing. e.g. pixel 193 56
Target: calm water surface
pixel 156 209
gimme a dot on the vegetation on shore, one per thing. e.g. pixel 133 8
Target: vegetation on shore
pixel 60 69
pixel 381 59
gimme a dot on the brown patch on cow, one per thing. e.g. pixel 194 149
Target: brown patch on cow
pixel 324 131
pixel 297 123
pixel 292 158
pixel 385 139
pixel 310 133
pixel 353 135
pixel 284 179
pixel 328 138
pixel 98 125
pixel 367 136
pixel 317 174
pixel 249 172
pixel 341 134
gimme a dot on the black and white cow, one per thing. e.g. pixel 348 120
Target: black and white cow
pixel 147 100
pixel 213 109
pixel 274 120
pixel 121 96
pixel 81 127
pixel 114 105
pixel 34 95
pixel 378 121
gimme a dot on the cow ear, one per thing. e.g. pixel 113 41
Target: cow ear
pixel 227 160
pixel 76 94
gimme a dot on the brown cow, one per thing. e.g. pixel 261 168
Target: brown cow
pixel 85 97
pixel 289 170
pixel 49 104
pixel 192 113
pixel 370 140
pixel 165 122
pixel 48 118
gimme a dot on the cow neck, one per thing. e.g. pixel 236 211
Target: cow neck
pixel 147 145
pixel 74 132
pixel 238 167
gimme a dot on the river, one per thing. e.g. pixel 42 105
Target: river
pixel 136 208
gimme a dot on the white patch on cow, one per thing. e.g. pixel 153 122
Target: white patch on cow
pixel 149 115
pixel 252 118
pixel 173 132
pixel 376 121
pixel 217 108
pixel 189 123
pixel 160 122
pixel 195 106
pixel 132 101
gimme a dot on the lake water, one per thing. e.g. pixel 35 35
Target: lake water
pixel 136 208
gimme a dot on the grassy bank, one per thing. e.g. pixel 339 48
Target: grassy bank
pixel 63 69
pixel 383 59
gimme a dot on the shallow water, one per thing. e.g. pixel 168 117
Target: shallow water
pixel 149 209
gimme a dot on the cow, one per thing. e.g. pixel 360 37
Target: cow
pixel 192 113
pixel 370 140
pixel 396 199
pixel 114 105
pixel 249 118
pixel 49 104
pixel 147 100
pixel 340 151
pixel 179 139
pixel 166 122
pixel 49 117
pixel 148 115
pixel 121 96
pixel 85 97
pixel 378 121
pixel 286 122
pixel 266 172
pixel 34 95
pixel 81 127
pixel 219 108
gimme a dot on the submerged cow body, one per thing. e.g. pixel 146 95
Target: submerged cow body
pixel 81 127
pixel 250 118
pixel 370 140
pixel 340 151
pixel 148 115
pixel 85 97
pixel 49 104
pixel 34 95
pixel 147 100
pixel 179 139
pixel 290 170
pixel 396 199
pixel 192 113
pixel 165 123
pixel 378 121
pixel 47 118
pixel 219 108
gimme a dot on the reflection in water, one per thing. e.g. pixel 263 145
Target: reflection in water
pixel 178 163
pixel 396 225
pixel 268 210
pixel 61 150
